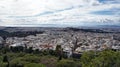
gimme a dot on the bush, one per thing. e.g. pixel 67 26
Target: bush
pixel 105 58
pixel 5 58
pixel 1 58
pixel 17 62
pixel 3 64
pixel 66 63
pixel 31 58
pixel 34 65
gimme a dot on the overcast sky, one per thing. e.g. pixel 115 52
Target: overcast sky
pixel 59 12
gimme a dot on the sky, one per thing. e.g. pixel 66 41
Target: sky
pixel 59 12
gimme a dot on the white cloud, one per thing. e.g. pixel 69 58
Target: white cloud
pixel 79 12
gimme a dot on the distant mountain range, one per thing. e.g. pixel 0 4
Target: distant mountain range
pixel 100 28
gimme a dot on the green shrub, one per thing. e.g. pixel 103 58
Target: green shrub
pixel 34 65
pixel 1 58
pixel 106 58
pixel 31 58
pixel 66 63
pixel 17 62
pixel 3 64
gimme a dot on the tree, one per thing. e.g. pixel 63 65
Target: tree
pixel 30 50
pixel 36 51
pixel 86 58
pixel 59 52
pixel 5 58
pixel 17 49
pixel 106 58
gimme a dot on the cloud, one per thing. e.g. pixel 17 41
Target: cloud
pixel 109 1
pixel 59 12
pixel 114 11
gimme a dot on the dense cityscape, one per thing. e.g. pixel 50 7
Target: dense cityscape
pixel 70 40
pixel 59 33
pixel 64 43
